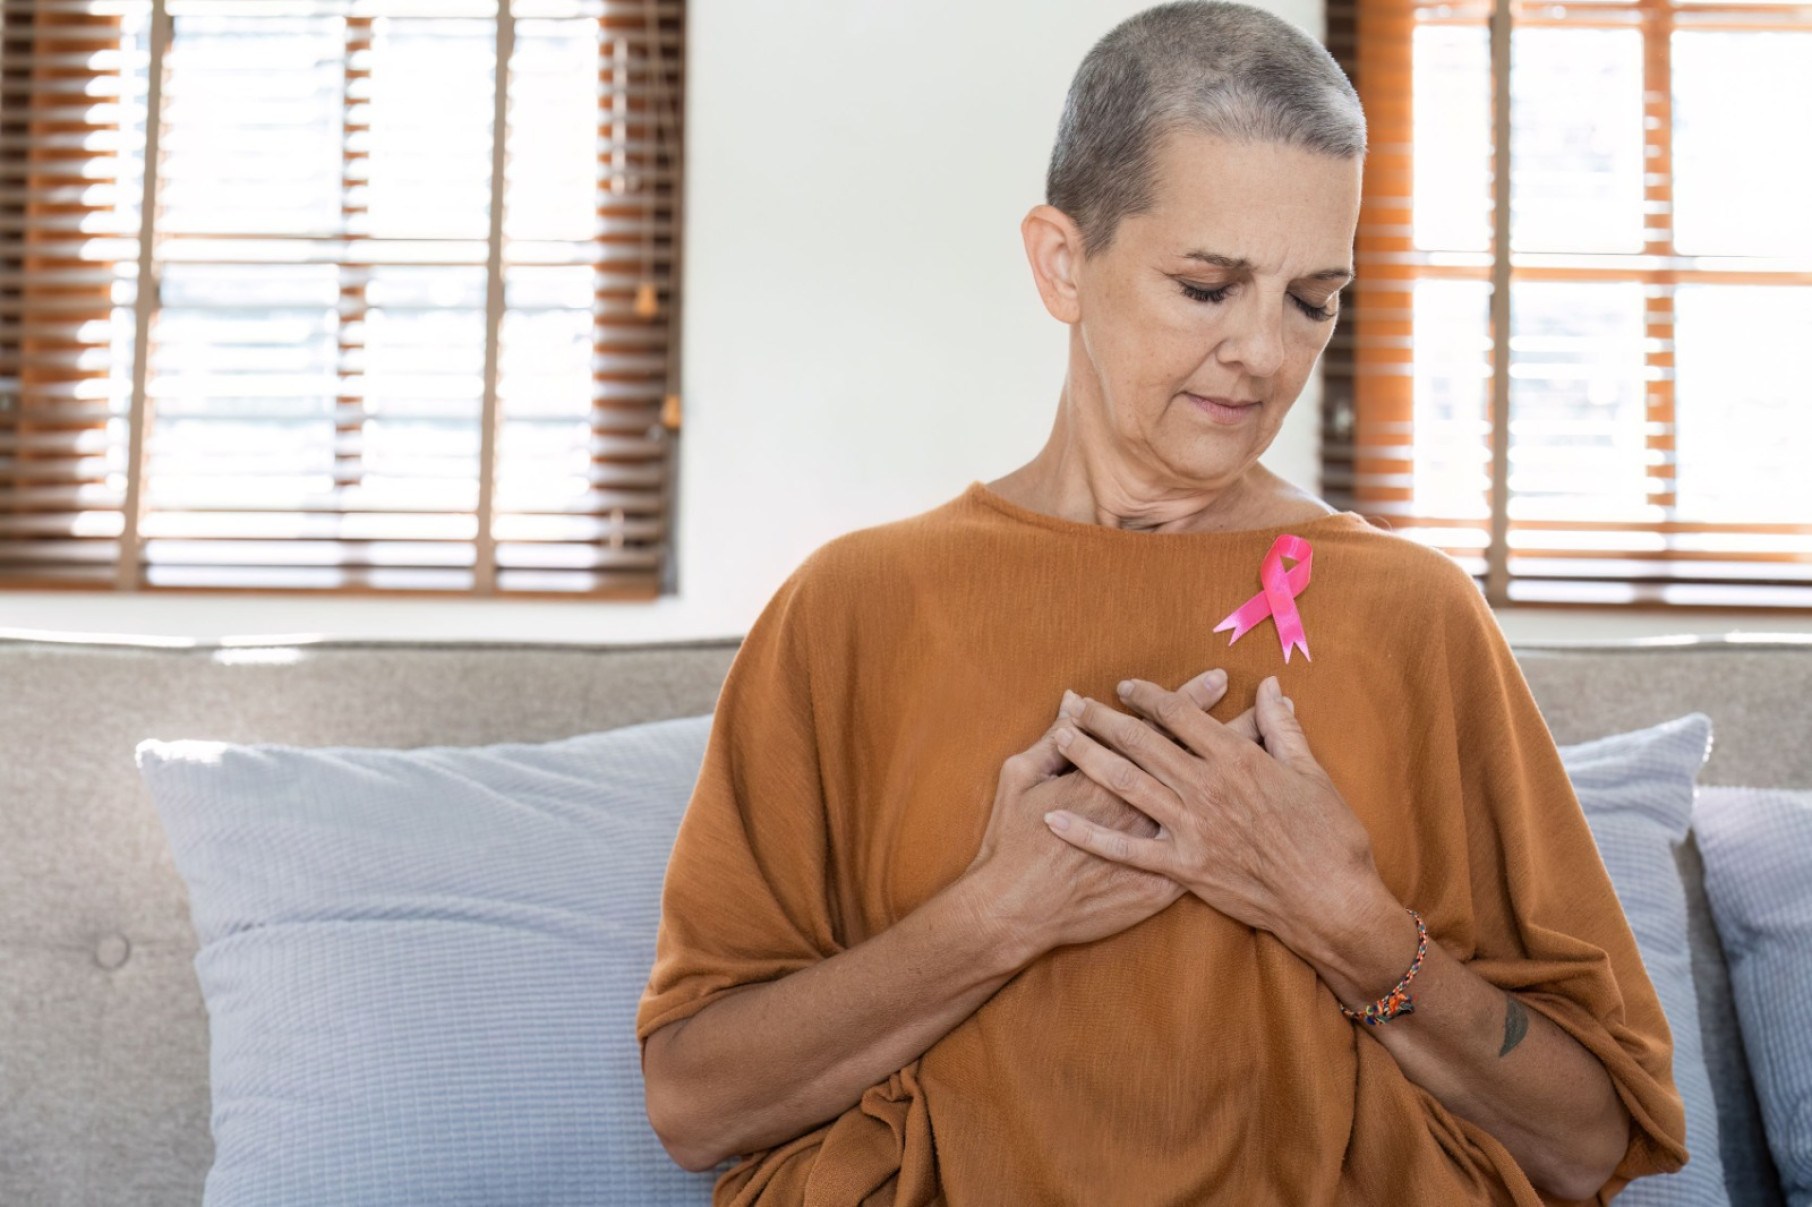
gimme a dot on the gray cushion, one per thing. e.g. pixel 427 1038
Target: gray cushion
pixel 1636 792
pixel 421 966
pixel 1757 846
pixel 1749 1173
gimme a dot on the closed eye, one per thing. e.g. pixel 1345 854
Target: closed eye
pixel 1319 314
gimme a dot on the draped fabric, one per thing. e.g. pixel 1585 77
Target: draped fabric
pixel 1189 1059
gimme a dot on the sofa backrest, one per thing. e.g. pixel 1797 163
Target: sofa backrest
pixel 104 1066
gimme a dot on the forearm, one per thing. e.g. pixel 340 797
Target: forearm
pixel 1486 1056
pixel 771 1062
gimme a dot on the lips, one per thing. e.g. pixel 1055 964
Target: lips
pixel 1226 414
pixel 1226 402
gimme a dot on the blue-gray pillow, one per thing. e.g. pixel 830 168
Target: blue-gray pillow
pixel 1636 790
pixel 1757 848
pixel 421 966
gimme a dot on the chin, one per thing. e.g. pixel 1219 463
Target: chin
pixel 1220 465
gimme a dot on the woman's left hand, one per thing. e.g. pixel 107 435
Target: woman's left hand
pixel 1259 833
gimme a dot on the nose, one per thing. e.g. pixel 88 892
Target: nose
pixel 1253 333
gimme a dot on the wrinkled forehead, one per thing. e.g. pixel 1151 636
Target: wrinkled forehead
pixel 1260 208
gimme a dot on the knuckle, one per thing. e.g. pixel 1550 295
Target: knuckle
pixel 1122 777
pixel 1017 768
pixel 1135 739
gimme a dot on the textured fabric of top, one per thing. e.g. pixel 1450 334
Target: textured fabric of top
pixel 849 776
pixel 421 965
pixel 1637 792
pixel 1757 845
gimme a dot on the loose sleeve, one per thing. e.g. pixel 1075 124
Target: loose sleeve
pixel 746 893
pixel 1548 923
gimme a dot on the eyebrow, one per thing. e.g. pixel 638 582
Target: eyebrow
pixel 1240 264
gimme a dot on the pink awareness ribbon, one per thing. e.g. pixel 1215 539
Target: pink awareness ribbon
pixel 1277 600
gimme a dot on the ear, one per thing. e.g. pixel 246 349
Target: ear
pixel 1054 250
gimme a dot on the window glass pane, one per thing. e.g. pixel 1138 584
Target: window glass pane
pixel 430 116
pixel 551 185
pixel 1452 123
pixel 241 387
pixel 423 391
pixel 1452 396
pixel 1742 143
pixel 545 395
pixel 1745 426
pixel 1577 403
pixel 1576 138
pixel 251 126
pixel 546 383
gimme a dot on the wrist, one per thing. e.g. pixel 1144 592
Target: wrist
pixel 1362 952
pixel 1006 943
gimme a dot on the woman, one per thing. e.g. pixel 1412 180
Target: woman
pixel 883 977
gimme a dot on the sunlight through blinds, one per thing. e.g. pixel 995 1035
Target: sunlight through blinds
pixel 404 333
pixel 1659 299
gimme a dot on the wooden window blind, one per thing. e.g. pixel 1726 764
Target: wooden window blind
pixel 1646 165
pixel 408 317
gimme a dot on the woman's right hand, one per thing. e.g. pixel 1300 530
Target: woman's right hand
pixel 1044 892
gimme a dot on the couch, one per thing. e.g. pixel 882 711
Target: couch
pixel 103 1034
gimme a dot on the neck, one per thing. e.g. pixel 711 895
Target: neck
pixel 1076 478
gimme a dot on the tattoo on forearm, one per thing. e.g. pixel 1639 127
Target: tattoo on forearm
pixel 1516 1024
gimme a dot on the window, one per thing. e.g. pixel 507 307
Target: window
pixel 408 323
pixel 1657 293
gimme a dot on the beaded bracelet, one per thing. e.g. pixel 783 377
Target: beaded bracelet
pixel 1398 1000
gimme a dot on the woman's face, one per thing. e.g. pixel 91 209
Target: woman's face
pixel 1155 319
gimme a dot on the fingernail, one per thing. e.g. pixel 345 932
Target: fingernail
pixel 1057 821
pixel 1215 677
pixel 1071 702
pixel 1291 704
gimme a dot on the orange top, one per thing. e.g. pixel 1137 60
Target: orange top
pixel 1190 1058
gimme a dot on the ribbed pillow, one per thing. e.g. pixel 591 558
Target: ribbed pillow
pixel 1757 847
pixel 1636 790
pixel 421 966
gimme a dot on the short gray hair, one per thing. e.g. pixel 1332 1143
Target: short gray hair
pixel 1214 67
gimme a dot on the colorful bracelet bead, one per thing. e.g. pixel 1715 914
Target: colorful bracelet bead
pixel 1398 1000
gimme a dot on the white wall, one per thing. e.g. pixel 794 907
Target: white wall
pixel 862 336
